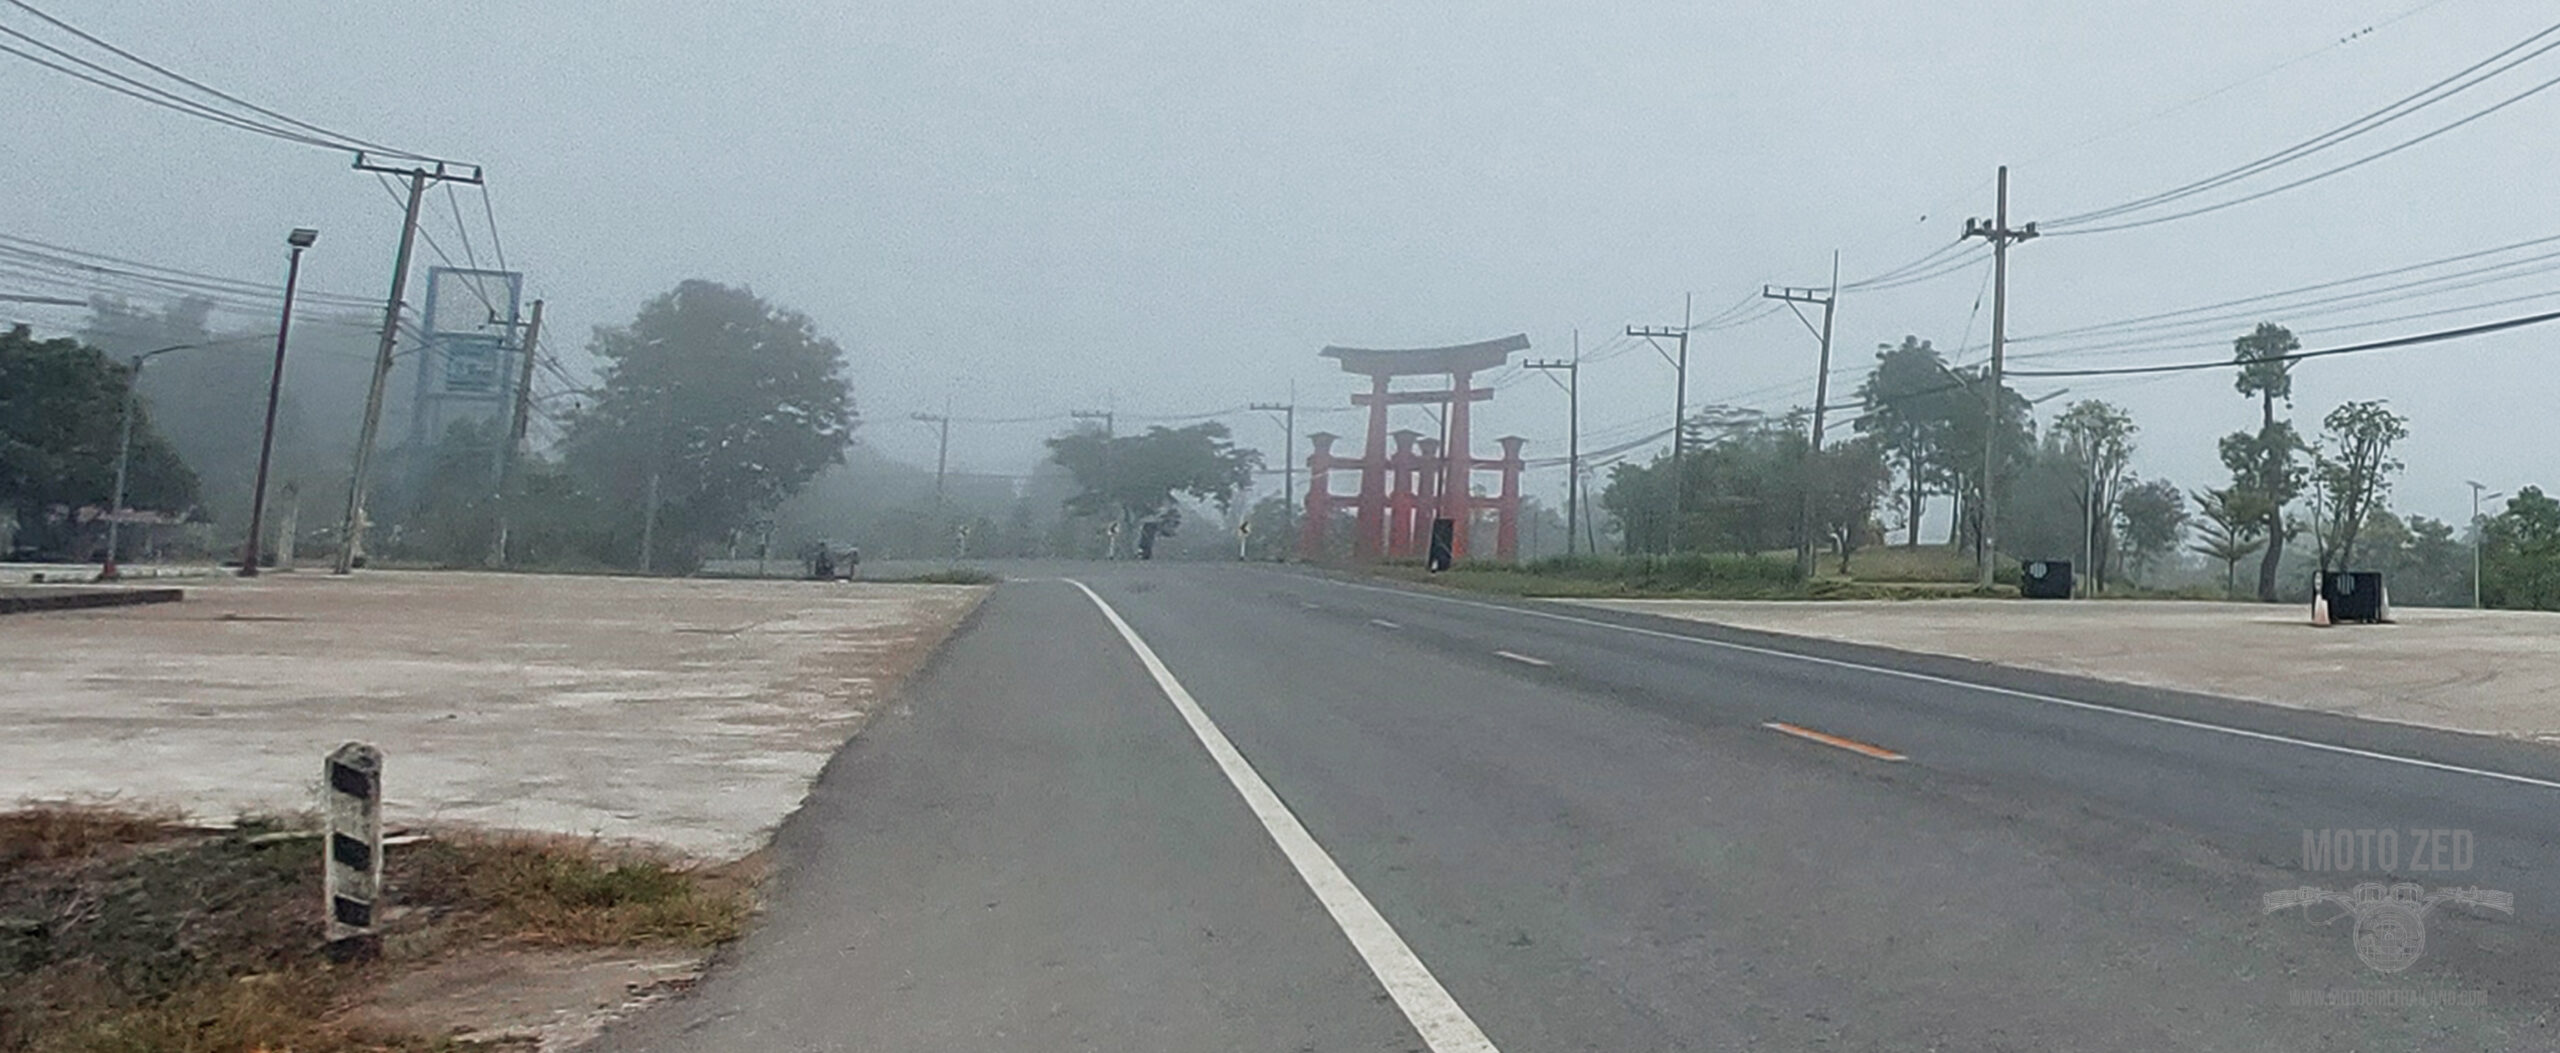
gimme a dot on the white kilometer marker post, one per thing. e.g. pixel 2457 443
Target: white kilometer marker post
pixel 351 853
pixel 1445 1027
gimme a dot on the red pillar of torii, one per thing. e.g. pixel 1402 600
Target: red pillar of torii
pixel 1403 489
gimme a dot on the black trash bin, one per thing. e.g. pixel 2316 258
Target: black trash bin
pixel 2353 595
pixel 2045 579
pixel 1444 538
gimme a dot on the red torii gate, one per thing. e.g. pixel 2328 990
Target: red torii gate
pixel 1403 489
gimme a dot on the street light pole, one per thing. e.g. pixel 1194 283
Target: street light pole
pixel 2479 530
pixel 300 239
pixel 1288 421
pixel 124 456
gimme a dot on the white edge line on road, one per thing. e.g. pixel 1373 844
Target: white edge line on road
pixel 1445 1027
pixel 1384 624
pixel 2032 696
pixel 1524 659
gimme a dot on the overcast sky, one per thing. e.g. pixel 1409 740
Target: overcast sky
pixel 1170 207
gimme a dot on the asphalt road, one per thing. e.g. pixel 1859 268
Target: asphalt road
pixel 1318 814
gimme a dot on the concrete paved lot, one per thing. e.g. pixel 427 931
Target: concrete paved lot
pixel 2488 672
pixel 693 713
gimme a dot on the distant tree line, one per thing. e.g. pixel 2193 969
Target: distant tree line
pixel 2291 504
pixel 712 409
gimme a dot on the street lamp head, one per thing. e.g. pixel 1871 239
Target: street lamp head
pixel 302 237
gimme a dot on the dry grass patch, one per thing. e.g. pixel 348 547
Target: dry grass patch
pixel 556 891
pixel 124 932
pixel 47 832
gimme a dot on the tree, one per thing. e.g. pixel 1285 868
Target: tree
pixel 2098 439
pixel 1854 476
pixel 2228 528
pixel 2426 562
pixel 1963 442
pixel 2355 480
pixel 1744 479
pixel 2151 517
pixel 728 403
pixel 2263 465
pixel 61 413
pixel 451 522
pixel 1130 478
pixel 1906 405
pixel 2520 554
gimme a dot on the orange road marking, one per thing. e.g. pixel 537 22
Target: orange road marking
pixel 1835 741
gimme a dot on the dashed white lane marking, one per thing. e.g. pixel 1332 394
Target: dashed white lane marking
pixel 1306 606
pixel 1445 1027
pixel 2031 696
pixel 1524 659
pixel 1384 624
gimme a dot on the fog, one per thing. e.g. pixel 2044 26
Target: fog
pixel 1019 210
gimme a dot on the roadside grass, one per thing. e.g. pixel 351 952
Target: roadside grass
pixel 950 576
pixel 946 576
pixel 124 932
pixel 1703 576
pixel 1943 563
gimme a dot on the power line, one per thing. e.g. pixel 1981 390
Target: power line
pixel 490 212
pixel 154 96
pixel 2377 345
pixel 474 286
pixel 453 202
pixel 2140 336
pixel 2137 321
pixel 2243 82
pixel 284 128
pixel 2147 348
pixel 2353 129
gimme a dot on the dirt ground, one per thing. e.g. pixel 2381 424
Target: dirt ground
pixel 2487 672
pixel 682 712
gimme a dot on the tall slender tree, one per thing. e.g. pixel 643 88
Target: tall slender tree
pixel 2263 465
pixel 2098 438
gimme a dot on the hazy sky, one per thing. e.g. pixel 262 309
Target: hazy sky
pixel 1170 207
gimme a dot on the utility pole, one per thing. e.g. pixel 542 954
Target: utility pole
pixel 2479 531
pixel 941 452
pixel 1288 419
pixel 1811 478
pixel 1110 476
pixel 1999 234
pixel 1679 411
pixel 419 172
pixel 1572 385
pixel 657 467
pixel 507 455
pixel 301 238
